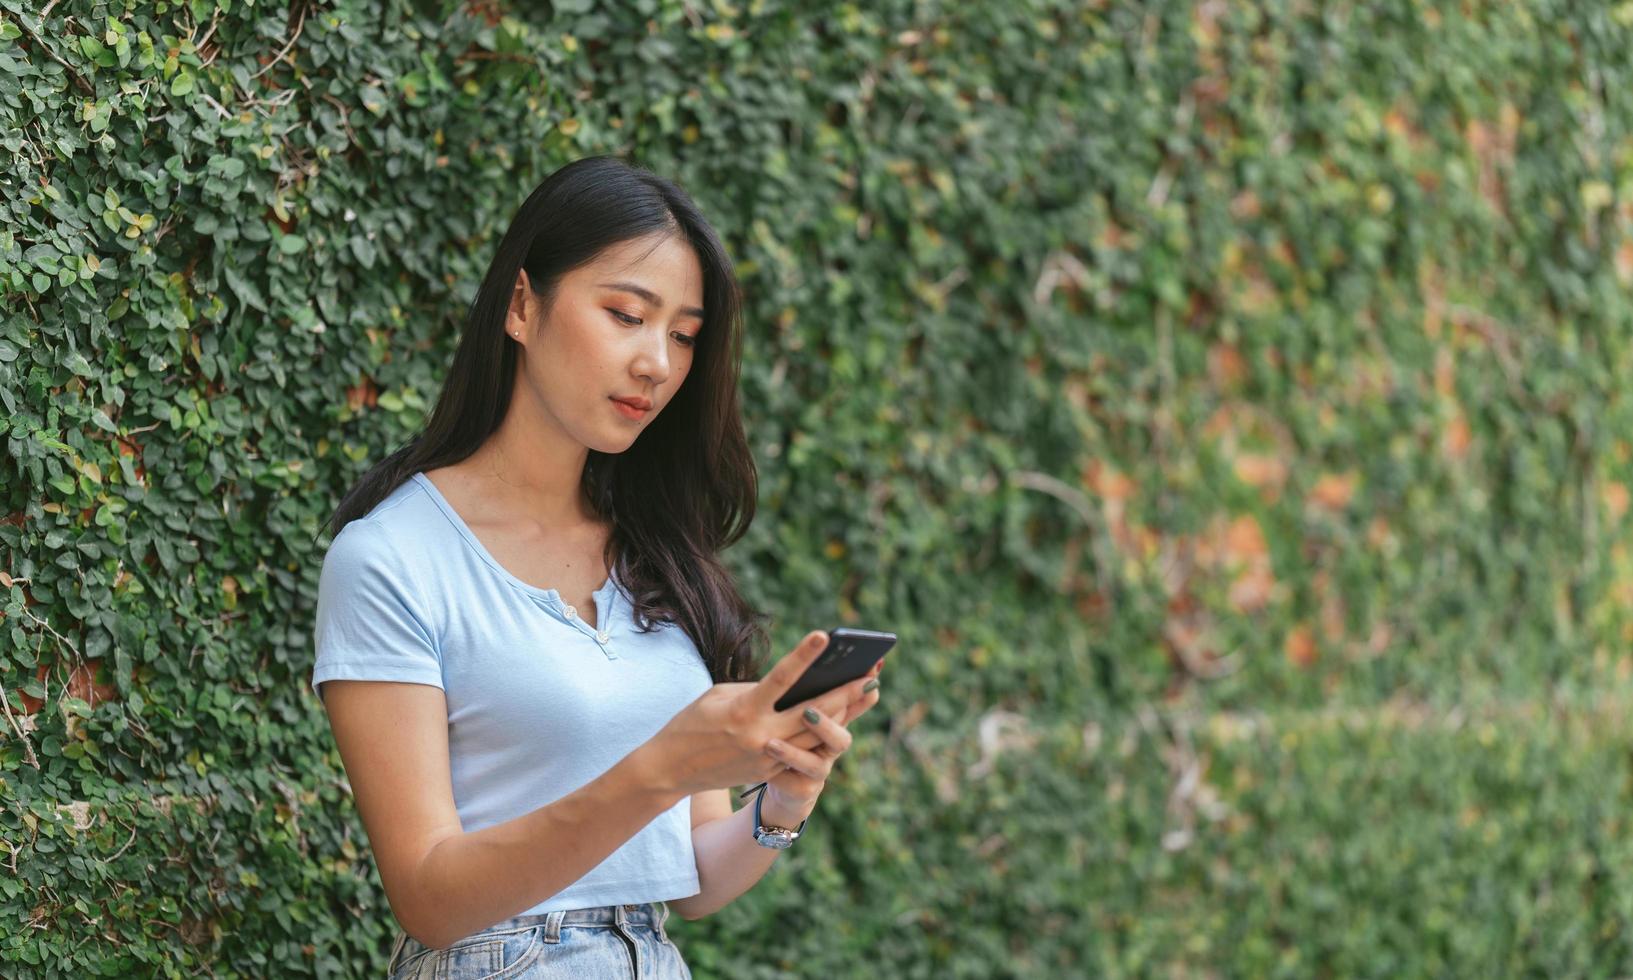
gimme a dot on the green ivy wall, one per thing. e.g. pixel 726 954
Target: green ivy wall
pixel 1227 404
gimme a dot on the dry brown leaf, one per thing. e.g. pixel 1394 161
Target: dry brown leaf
pixel 1615 497
pixel 1300 646
pixel 1455 439
pixel 1244 540
pixel 1108 481
pixel 1445 372
pixel 1226 366
pixel 1260 470
pixel 1251 590
pixel 1333 491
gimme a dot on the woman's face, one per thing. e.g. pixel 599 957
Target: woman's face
pixel 622 327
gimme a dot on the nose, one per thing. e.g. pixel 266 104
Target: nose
pixel 652 362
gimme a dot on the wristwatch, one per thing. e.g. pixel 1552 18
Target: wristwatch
pixel 779 838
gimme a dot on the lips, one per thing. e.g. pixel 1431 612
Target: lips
pixel 641 403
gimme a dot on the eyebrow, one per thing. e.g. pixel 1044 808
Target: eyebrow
pixel 651 297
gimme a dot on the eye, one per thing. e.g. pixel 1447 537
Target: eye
pixel 686 341
pixel 625 317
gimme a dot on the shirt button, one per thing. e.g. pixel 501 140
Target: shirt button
pixel 601 638
pixel 571 612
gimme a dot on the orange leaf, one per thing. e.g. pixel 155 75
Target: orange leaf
pixel 1108 481
pixel 1300 646
pixel 1225 365
pixel 1251 590
pixel 1244 541
pixel 1260 470
pixel 1615 496
pixel 1332 491
pixel 1457 436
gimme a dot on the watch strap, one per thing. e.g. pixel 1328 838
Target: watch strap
pixel 760 827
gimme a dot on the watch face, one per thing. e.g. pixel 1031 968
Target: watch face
pixel 778 837
pixel 775 838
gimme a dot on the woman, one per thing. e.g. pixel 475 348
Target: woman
pixel 538 673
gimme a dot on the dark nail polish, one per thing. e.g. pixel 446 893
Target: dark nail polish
pixel 811 716
pixel 870 685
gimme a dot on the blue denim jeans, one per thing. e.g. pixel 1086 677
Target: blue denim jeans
pixel 626 942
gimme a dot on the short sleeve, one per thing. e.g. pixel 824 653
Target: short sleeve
pixel 371 625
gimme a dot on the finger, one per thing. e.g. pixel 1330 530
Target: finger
pixel 860 707
pixel 802 736
pixel 786 671
pixel 806 739
pixel 831 702
pixel 831 732
pixel 808 763
pixel 843 716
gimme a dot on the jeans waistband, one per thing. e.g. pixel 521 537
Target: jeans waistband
pixel 651 914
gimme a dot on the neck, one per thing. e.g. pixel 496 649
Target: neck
pixel 533 483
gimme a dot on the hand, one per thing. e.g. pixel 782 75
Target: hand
pixel 810 758
pixel 720 738
pixel 810 739
pixel 797 787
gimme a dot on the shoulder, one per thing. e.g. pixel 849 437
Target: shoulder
pixel 387 542
pixel 362 553
pixel 369 583
pixel 390 528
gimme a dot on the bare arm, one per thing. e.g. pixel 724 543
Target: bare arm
pixel 729 862
pixel 443 883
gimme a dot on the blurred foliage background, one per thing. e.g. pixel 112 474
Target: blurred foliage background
pixel 1225 402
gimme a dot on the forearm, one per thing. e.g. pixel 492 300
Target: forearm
pixel 729 862
pixel 473 880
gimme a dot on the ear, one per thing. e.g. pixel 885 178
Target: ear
pixel 521 310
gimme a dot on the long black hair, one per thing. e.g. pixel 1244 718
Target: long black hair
pixel 686 488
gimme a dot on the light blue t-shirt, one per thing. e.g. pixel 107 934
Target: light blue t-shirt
pixel 539 701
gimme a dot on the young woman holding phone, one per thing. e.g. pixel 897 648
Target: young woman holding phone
pixel 541 680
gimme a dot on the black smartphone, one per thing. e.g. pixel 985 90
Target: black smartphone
pixel 850 653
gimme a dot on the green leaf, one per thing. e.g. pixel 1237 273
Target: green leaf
pixel 373 100
pixel 77 363
pixel 363 249
pixel 244 289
